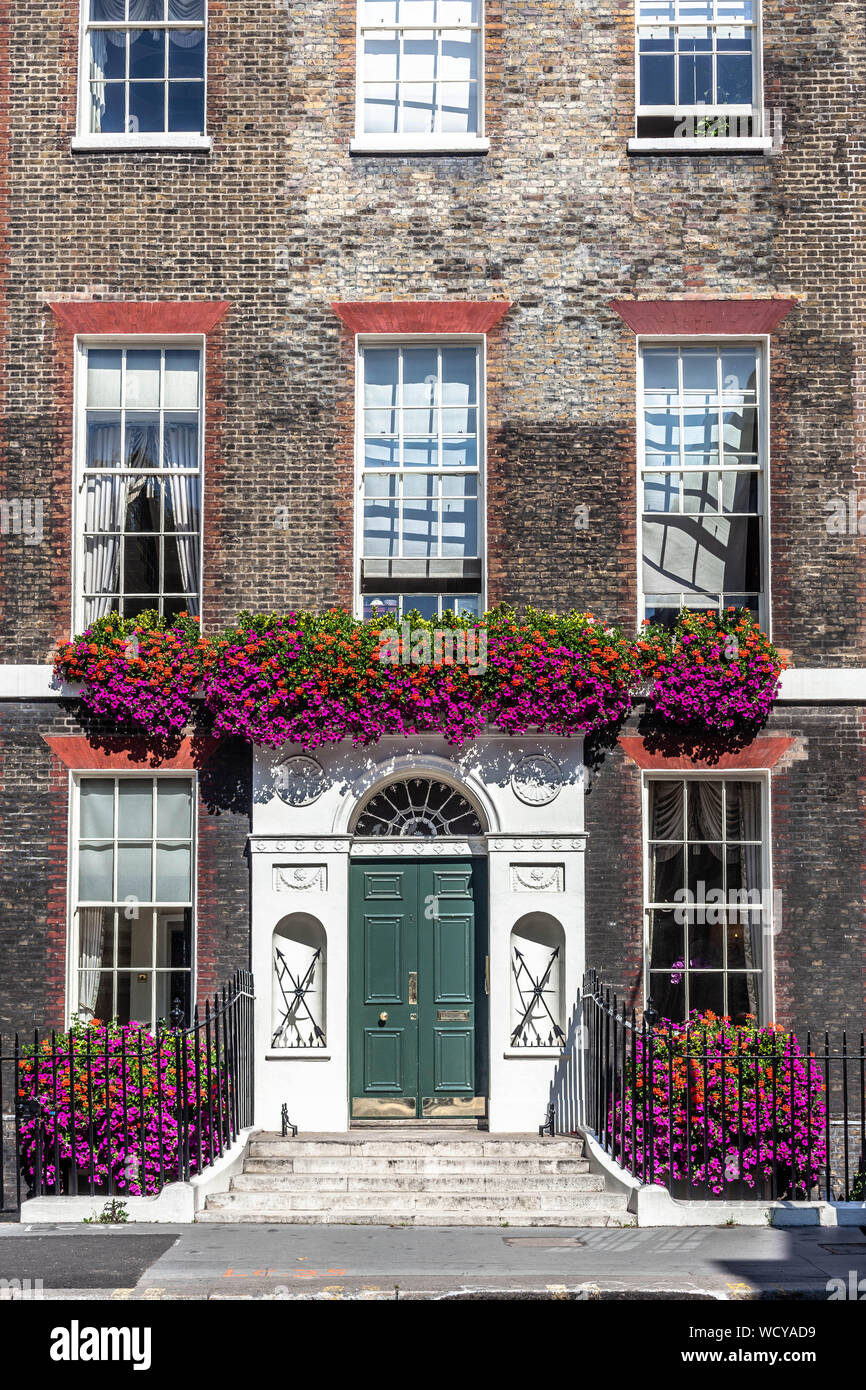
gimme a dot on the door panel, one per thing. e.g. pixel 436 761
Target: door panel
pixel 412 992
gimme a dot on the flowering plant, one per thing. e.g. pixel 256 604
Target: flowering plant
pixel 726 1104
pixel 140 671
pixel 120 1089
pixel 315 679
pixel 717 670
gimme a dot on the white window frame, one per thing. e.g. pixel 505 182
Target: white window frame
pixel 434 142
pixel 769 924
pixel 79 445
pixel 75 780
pixel 762 342
pixel 758 142
pixel 85 139
pixel 376 340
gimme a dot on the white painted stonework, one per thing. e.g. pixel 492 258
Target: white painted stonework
pixel 529 794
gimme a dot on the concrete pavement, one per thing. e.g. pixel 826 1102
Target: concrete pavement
pixel 372 1263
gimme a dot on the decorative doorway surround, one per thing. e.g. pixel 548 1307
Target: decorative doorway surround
pixel 514 806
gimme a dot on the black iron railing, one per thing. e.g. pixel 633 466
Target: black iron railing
pixel 715 1112
pixel 118 1111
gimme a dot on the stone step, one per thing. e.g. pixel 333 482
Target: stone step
pixel 442 1217
pixel 479 1183
pixel 411 1201
pixel 398 1148
pixel 433 1167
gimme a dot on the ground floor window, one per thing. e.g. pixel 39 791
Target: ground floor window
pixel 705 898
pixel 133 910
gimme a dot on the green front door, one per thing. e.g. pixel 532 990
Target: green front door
pixel 416 991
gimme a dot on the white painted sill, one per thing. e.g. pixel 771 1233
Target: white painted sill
pixel 702 144
pixel 298 1054
pixel 126 143
pixel 526 1052
pixel 419 144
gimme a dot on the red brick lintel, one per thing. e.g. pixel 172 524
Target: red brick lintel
pixel 163 317
pixel 762 753
pixel 683 317
pixel 422 316
pixel 117 753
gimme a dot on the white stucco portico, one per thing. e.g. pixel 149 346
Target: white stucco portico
pixel 528 793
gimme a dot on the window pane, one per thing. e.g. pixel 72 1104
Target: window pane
pixel 420 453
pixel 425 604
pixel 419 383
pixel 660 371
pixel 173 807
pixel 174 939
pixel 186 106
pixel 103 440
pixel 135 941
pixel 459 516
pixel 107 108
pixel 107 55
pixel 95 940
pixel 706 933
pixel 657 79
pixel 180 441
pixel 146 106
pixel 147 53
pixel 458 376
pixel 190 10
pixel 142 504
pixel 380 516
pixel 186 53
pixel 696 79
pixel 739 371
pixel 381 54
pixel 181 512
pixel 380 108
pixel 700 492
pixel 420 519
pixel 173 873
pixel 103 377
pixel 135 809
pixel 707 992
pixel 141 565
pixel 142 378
pixel 667 940
pixel 740 492
pixel 142 441
pixel 181 379
pixel 382 607
pixel 95 871
pixel 661 492
pixel 133 872
pixel 146 9
pixel 107 11
pixel 734 79
pixel 459 61
pixel 417 106
pixel 667 873
pixel 380 377
pixel 97 808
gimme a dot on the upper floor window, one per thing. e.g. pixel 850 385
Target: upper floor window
pixel 698 69
pixel 703 479
pixel 420 75
pixel 143 69
pixel 139 489
pixel 420 464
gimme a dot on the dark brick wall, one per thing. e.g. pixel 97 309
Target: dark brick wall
pixel 280 220
pixel 817 800
pixel 33 866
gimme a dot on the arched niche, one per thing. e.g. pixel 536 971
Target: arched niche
pixel 298 972
pixel 537 981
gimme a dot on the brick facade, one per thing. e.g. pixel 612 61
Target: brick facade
pixel 279 220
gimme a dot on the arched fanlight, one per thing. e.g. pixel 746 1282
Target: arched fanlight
pixel 421 808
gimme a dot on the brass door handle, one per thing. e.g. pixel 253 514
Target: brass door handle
pixel 383 1017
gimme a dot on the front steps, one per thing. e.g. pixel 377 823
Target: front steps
pixel 417 1178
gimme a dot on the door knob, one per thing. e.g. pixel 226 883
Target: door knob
pixel 383 1017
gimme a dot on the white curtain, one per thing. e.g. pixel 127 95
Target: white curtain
pixel 181 450
pixel 99 41
pixel 105 512
pixel 91 935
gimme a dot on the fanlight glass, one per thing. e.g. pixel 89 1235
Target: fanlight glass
pixel 421 808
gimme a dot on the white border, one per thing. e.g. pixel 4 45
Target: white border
pixel 82 342
pixel 768 925
pixel 75 778
pixel 362 340
pixel 85 139
pixel 762 341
